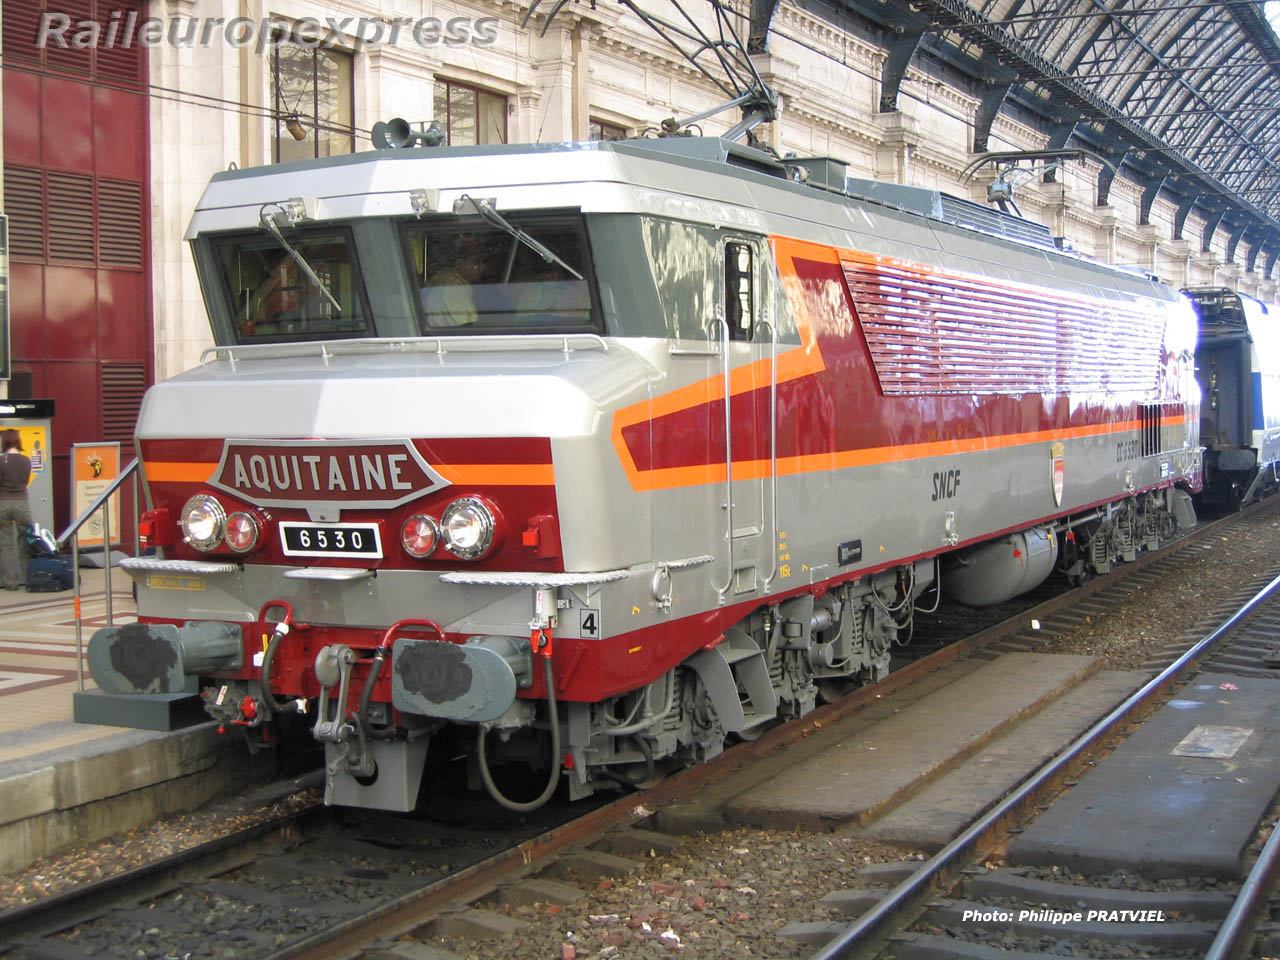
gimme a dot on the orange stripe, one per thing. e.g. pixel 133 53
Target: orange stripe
pixel 941 448
pixel 498 474
pixel 161 472
pixel 668 478
pixel 793 363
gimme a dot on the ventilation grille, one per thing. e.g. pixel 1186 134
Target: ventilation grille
pixel 119 223
pixel 116 57
pixel 929 333
pixel 58 217
pixel 1149 418
pixel 70 212
pixel 1152 418
pixel 21 26
pixel 24 203
pixel 21 385
pixel 70 59
pixel 966 213
pixel 122 387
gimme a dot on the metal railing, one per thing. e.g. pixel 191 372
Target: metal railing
pixel 72 533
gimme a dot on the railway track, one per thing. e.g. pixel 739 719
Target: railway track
pixel 951 906
pixel 293 892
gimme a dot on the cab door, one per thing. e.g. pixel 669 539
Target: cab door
pixel 748 345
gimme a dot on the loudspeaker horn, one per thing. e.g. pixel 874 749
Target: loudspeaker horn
pixel 397 133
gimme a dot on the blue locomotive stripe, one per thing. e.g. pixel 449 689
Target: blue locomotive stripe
pixel 1259 420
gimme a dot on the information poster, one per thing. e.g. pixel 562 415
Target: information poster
pixel 35 445
pixel 93 467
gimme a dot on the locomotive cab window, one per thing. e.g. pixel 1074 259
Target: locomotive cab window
pixel 272 297
pixel 471 277
pixel 739 290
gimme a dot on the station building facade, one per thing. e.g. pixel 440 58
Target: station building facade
pixel 76 175
pixel 108 146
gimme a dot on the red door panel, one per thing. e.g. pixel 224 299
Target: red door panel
pixel 67 134
pixel 70 305
pixel 21 118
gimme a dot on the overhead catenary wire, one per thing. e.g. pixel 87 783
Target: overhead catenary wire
pixel 231 105
pixel 178 95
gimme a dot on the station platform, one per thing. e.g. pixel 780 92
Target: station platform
pixel 38 662
pixel 64 783
pixel 1210 758
pixel 874 765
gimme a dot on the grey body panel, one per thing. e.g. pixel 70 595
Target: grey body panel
pixel 640 178
pixel 484 389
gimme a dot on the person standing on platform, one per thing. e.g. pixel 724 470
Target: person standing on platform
pixel 15 512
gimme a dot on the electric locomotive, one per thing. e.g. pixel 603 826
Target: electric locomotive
pixel 590 456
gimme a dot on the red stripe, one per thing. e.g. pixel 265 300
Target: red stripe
pixel 841 412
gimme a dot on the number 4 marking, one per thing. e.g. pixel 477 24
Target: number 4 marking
pixel 589 625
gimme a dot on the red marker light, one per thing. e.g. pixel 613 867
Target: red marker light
pixel 419 536
pixel 243 530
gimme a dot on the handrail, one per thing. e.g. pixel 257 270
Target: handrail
pixel 726 363
pixel 93 508
pixel 773 449
pixel 565 343
pixel 101 502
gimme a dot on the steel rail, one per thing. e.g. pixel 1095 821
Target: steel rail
pixel 42 916
pixel 869 932
pixel 1241 920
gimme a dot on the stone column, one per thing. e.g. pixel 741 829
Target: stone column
pixel 554 72
pixel 398 82
pixel 525 128
pixel 1150 240
pixel 580 108
pixel 900 138
pixel 190 140
pixel 1108 232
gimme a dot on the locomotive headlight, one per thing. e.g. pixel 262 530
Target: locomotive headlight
pixel 243 531
pixel 467 526
pixel 420 535
pixel 203 521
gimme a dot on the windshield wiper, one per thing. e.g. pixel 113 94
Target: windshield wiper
pixel 269 221
pixel 490 215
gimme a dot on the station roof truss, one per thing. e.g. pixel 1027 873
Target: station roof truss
pixel 1182 97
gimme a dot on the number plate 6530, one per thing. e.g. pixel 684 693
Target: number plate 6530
pixel 330 540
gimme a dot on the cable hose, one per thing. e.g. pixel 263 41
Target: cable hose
pixel 626 779
pixel 552 782
pixel 268 695
pixel 362 716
